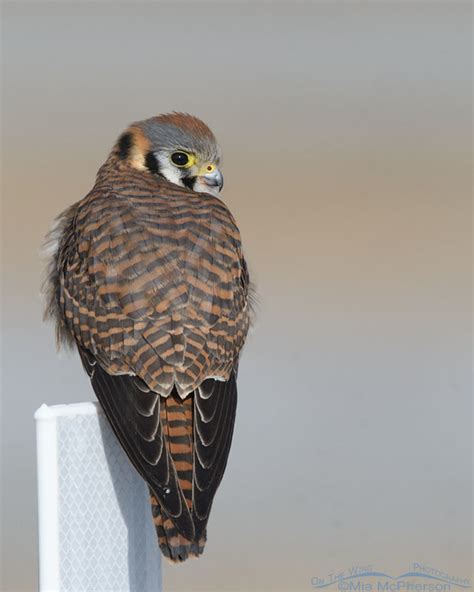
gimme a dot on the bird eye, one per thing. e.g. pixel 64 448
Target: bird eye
pixel 180 159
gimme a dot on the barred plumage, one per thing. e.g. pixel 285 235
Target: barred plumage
pixel 149 282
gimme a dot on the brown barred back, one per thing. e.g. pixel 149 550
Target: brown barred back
pixel 154 281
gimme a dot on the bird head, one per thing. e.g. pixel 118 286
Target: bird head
pixel 177 146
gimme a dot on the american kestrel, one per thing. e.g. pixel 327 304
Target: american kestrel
pixel 149 282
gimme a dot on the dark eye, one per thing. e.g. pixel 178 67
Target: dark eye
pixel 180 158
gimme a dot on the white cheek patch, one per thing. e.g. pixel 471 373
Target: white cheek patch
pixel 167 169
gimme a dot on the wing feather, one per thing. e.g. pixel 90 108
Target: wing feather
pixel 142 438
pixel 135 417
pixel 212 440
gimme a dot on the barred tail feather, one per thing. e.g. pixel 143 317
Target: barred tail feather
pixel 173 545
pixel 176 418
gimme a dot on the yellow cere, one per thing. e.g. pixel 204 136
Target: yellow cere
pixel 207 168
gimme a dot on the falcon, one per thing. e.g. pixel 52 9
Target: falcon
pixel 148 282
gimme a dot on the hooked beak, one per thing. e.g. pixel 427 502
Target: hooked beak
pixel 209 180
pixel 214 179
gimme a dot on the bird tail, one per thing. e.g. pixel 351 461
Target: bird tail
pixel 172 543
pixel 176 416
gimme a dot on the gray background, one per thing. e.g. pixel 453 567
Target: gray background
pixel 346 136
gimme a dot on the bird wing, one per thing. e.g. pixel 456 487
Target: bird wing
pixel 214 414
pixel 155 298
pixel 134 413
pixel 182 461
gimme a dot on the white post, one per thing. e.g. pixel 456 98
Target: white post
pixel 95 527
pixel 48 516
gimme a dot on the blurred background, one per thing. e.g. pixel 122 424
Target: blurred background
pixel 346 136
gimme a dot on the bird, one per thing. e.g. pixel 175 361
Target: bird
pixel 147 280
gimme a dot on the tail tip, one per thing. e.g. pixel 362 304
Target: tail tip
pixel 181 552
